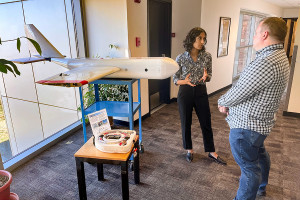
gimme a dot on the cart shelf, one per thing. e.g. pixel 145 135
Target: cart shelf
pixel 113 108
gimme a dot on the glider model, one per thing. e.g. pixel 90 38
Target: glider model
pixel 84 71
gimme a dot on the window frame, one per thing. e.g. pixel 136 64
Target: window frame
pixel 249 46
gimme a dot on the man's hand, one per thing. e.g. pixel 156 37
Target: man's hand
pixel 204 77
pixel 223 109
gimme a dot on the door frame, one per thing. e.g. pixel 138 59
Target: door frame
pixel 290 35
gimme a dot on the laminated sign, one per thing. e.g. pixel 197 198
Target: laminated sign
pixel 99 121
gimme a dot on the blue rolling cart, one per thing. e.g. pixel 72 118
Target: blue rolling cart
pixel 115 108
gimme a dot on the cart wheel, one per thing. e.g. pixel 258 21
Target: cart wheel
pixel 142 148
pixel 131 165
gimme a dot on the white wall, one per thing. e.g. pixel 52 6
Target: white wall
pixel 290 12
pixel 185 16
pixel 137 27
pixel 106 23
pixel 211 12
pixel 293 104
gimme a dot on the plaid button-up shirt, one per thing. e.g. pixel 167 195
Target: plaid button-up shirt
pixel 254 100
pixel 188 66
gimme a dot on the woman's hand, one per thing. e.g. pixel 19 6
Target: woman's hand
pixel 186 81
pixel 204 77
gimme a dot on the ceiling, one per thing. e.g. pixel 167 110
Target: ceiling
pixel 285 3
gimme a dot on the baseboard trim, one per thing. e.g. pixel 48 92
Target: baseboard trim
pixel 173 100
pixel 291 114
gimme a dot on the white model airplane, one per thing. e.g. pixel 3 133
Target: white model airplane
pixel 84 71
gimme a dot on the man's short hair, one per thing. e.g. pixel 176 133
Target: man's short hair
pixel 276 26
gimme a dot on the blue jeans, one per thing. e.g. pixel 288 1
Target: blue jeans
pixel 248 150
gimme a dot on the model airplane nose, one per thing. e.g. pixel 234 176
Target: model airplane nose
pixel 169 67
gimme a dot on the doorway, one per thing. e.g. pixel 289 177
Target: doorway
pixel 159 34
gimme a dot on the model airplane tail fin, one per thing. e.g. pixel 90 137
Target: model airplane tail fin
pixel 48 50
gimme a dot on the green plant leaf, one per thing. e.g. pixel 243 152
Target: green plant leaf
pixel 10 69
pixel 7 62
pixel 18 44
pixel 3 68
pixel 14 67
pixel 36 45
pixel 111 46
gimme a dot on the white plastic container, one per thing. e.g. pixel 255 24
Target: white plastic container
pixel 115 141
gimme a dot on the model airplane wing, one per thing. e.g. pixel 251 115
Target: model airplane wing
pixel 84 71
pixel 28 60
pixel 79 76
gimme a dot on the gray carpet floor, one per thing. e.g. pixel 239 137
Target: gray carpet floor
pixel 165 174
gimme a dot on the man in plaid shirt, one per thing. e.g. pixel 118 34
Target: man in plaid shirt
pixel 251 106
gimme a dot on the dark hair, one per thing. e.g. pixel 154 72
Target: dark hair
pixel 276 26
pixel 191 38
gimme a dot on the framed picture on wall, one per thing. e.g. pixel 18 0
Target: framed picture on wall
pixel 223 41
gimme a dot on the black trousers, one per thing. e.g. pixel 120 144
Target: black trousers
pixel 188 99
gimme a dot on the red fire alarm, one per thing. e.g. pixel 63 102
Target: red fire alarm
pixel 137 1
pixel 137 41
pixel 173 34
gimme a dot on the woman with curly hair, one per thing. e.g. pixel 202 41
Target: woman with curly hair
pixel 195 69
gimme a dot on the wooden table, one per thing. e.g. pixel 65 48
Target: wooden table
pixel 89 153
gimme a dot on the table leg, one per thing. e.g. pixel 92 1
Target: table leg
pixel 125 185
pixel 81 179
pixel 100 172
pixel 136 165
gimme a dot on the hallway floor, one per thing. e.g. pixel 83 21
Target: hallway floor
pixel 165 174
